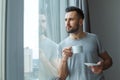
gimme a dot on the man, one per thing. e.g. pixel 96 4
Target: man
pixel 47 53
pixel 72 65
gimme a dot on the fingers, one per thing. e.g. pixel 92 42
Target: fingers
pixel 97 69
pixel 67 51
pixel 100 63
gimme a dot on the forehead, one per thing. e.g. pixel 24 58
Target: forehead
pixel 71 14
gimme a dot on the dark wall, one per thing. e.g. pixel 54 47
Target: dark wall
pixel 105 22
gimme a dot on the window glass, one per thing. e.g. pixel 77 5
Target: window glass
pixel 31 16
pixel 43 30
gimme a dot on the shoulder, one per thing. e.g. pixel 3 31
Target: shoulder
pixel 92 35
pixel 63 43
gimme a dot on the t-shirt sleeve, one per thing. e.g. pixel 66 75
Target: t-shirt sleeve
pixel 100 47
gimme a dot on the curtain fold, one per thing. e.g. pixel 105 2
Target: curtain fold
pixel 85 8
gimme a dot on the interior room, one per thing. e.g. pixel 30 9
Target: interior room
pixel 20 33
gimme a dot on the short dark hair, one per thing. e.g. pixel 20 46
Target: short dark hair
pixel 78 10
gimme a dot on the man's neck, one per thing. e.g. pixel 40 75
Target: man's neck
pixel 77 35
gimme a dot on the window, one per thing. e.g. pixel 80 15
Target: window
pixel 15 34
pixel 2 39
pixel 43 23
pixel 31 16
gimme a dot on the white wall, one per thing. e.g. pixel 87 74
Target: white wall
pixel 105 21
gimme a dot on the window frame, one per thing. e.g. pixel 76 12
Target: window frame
pixel 14 69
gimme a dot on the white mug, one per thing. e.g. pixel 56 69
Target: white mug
pixel 77 49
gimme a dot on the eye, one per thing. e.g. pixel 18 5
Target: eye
pixel 65 19
pixel 71 19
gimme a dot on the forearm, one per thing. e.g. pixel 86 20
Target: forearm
pixel 107 60
pixel 107 63
pixel 102 65
pixel 63 69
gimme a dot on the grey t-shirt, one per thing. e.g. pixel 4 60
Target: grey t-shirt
pixel 91 48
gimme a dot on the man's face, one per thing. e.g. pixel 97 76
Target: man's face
pixel 43 22
pixel 72 22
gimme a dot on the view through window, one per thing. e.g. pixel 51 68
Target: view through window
pixel 43 30
pixel 31 15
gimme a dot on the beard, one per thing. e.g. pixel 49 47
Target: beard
pixel 73 30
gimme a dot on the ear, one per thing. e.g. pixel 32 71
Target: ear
pixel 81 21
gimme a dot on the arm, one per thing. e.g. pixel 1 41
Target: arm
pixel 104 64
pixel 63 67
pixel 107 60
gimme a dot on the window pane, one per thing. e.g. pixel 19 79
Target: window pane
pixel 31 39
pixel 43 30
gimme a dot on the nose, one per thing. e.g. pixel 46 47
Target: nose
pixel 67 22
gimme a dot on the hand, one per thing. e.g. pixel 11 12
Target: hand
pixel 97 69
pixel 67 52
